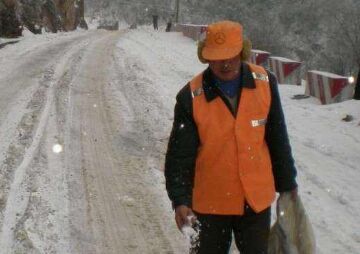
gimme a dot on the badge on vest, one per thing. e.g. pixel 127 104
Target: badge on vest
pixel 260 76
pixel 257 123
pixel 197 92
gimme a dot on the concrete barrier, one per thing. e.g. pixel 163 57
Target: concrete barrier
pixel 109 26
pixel 287 71
pixel 192 31
pixel 328 87
pixel 259 57
pixel 176 28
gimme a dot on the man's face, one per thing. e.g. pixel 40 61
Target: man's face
pixel 227 69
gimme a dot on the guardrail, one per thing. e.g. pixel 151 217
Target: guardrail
pixel 259 57
pixel 327 87
pixel 287 71
pixel 192 31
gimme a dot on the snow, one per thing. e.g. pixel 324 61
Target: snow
pixel 188 232
pixel 283 59
pixel 92 23
pixel 57 148
pixel 27 33
pixel 149 68
pixel 194 25
pixel 257 51
pixel 328 74
pixel 326 150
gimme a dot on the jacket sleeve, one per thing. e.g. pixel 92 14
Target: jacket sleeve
pixel 181 152
pixel 277 139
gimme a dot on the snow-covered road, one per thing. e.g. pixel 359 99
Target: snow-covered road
pixel 107 99
pixel 32 74
pixel 101 194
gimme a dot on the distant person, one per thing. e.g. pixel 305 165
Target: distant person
pixel 155 21
pixel 357 88
pixel 228 151
pixel 168 26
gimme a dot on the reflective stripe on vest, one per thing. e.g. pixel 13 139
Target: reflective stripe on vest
pixel 233 162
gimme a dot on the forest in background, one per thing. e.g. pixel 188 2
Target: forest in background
pixel 40 15
pixel 323 34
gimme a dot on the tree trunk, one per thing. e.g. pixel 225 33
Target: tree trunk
pixel 51 17
pixel 81 10
pixel 9 3
pixel 357 87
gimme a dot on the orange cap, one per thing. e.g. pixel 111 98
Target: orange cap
pixel 223 40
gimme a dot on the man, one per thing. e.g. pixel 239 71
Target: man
pixel 168 25
pixel 229 150
pixel 155 21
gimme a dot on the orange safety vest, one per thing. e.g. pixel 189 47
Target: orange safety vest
pixel 233 162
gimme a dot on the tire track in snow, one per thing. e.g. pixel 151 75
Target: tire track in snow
pixel 18 196
pixel 329 194
pixel 84 148
pixel 139 127
pixel 24 83
pixel 46 222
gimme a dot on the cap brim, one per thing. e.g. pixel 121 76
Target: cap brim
pixel 212 54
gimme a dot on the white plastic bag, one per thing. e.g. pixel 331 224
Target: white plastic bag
pixel 292 232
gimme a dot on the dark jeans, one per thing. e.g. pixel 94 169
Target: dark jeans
pixel 251 232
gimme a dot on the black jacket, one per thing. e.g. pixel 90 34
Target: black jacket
pixel 184 139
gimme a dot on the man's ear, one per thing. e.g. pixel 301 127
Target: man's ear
pixel 246 51
pixel 201 45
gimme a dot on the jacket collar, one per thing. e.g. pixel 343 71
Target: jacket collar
pixel 211 91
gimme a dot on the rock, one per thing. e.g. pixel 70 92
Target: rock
pixel 72 13
pixel 53 15
pixel 2 201
pixel 112 26
pixel 21 235
pixel 348 118
pixel 30 12
pixel 10 25
pixel 7 43
pixel 81 19
pixel 83 24
pixel 133 26
pixel 10 3
pixel 300 96
pixel 68 13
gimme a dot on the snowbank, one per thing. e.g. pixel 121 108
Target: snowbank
pixel 326 149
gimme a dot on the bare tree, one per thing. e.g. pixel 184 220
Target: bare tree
pixel 345 37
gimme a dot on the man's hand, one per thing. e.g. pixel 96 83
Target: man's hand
pixel 184 216
pixel 293 193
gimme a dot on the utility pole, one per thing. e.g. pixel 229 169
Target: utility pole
pixel 177 11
